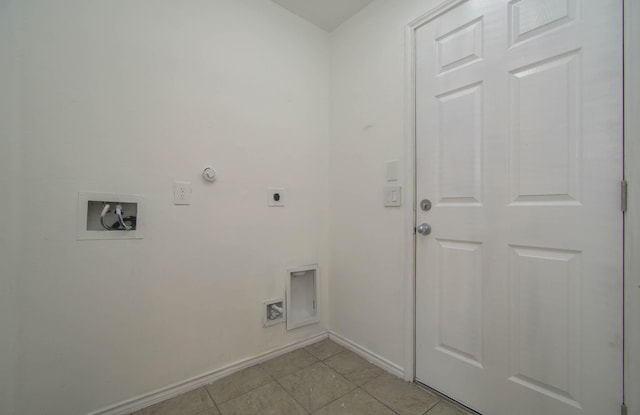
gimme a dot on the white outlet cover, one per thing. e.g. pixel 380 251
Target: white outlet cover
pixel 182 193
pixel 275 197
pixel 393 169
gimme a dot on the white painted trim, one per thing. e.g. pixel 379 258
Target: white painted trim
pixel 440 9
pixel 195 382
pixel 411 196
pixel 367 354
pixel 632 216
pixel 410 209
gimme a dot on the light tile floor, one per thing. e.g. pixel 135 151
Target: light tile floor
pixel 320 379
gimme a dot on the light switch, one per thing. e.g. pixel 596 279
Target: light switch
pixel 392 196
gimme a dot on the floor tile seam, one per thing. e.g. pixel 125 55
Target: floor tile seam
pixel 330 356
pixel 275 359
pixel 347 393
pixel 355 386
pixel 313 354
pixel 383 403
pixel 325 362
pixel 342 376
pixel 205 410
pixel 438 399
pixel 292 397
pixel 433 406
pixel 281 387
pixel 265 369
pixel 338 398
pixel 374 378
pixel 308 352
pixel 352 373
pixel 244 393
pixel 345 351
pixel 295 371
pixel 446 399
pixel 215 405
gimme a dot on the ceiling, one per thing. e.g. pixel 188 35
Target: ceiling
pixel 326 14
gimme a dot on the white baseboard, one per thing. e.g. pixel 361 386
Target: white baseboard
pixel 195 382
pixel 372 357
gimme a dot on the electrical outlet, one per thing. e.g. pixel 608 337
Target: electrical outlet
pixel 275 197
pixel 181 193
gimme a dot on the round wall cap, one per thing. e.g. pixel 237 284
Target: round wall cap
pixel 209 174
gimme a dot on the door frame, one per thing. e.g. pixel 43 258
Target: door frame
pixel 631 295
pixel 632 216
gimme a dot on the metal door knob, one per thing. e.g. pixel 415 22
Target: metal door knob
pixel 424 229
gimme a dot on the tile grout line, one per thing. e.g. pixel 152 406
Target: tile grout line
pixel 215 405
pixel 318 360
pixel 242 394
pixel 292 397
pixel 365 392
pixel 378 400
pixel 285 389
pixel 337 399
pixel 328 367
pixel 444 398
pixel 433 406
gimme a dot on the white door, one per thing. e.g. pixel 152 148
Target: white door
pixel 519 149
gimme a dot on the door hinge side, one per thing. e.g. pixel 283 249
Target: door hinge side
pixel 623 409
pixel 623 195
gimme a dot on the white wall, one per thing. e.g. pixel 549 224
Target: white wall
pixel 10 240
pixel 367 240
pixel 127 97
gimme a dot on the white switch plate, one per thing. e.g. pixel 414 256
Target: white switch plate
pixel 392 196
pixel 393 168
pixel 182 193
pixel 275 197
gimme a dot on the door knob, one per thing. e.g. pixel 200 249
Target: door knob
pixel 424 229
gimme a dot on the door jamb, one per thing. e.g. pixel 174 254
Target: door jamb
pixel 632 215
